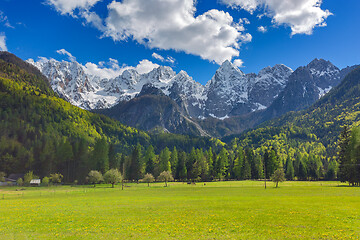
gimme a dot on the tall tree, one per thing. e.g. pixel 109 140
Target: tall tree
pixel 343 156
pixel 181 172
pixel 222 163
pixel 289 169
pixel 100 155
pixel 135 164
pixel 174 158
pixel 149 160
pixel 164 160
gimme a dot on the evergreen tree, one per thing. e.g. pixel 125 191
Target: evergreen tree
pixel 164 160
pixel 222 163
pixel 149 160
pixel 112 157
pixel 135 164
pixel 302 171
pixel 174 159
pixel 246 169
pixel 343 156
pixel 181 172
pixel 201 167
pixel 100 155
pixel 190 164
pixel 238 164
pixel 258 167
pixel 290 173
pixel 210 161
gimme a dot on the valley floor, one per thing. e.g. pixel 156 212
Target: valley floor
pixel 217 210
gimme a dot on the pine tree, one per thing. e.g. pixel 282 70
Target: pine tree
pixel 290 173
pixel 174 159
pixel 164 160
pixel 222 163
pixel 135 166
pixel 302 171
pixel 190 164
pixel 181 172
pixel 100 155
pixel 149 159
pixel 343 156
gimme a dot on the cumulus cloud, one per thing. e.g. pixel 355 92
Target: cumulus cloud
pixel 238 63
pixel 3 42
pixel 301 15
pixel 162 59
pixel 262 29
pixel 145 66
pixel 112 69
pixel 66 53
pixel 69 6
pixel 171 24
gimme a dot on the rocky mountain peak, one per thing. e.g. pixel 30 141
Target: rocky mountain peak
pixel 150 89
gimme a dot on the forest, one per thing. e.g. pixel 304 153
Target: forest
pixel 41 132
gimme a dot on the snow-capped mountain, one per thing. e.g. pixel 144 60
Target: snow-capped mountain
pixel 305 86
pixel 177 103
pixel 229 92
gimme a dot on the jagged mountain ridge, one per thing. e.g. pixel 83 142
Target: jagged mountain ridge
pixel 306 85
pixel 230 92
pixel 234 100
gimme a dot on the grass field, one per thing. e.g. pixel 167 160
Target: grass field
pixel 219 210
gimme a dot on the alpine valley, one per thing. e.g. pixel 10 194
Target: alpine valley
pixel 165 101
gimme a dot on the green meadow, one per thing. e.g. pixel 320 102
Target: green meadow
pixel 217 210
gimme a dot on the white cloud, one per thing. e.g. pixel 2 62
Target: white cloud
pixel 171 24
pixel 4 19
pixel 238 63
pixel 69 6
pixel 244 21
pixel 301 15
pixel 66 53
pixel 262 29
pixel 162 59
pixel 112 69
pixel 158 57
pixel 3 42
pixel 145 66
pixel 248 5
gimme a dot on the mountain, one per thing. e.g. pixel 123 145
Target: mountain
pixel 305 86
pixel 231 102
pixel 153 111
pixel 316 128
pixel 237 92
pixel 42 132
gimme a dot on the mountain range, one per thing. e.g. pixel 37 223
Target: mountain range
pixel 41 131
pixel 162 100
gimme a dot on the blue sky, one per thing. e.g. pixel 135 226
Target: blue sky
pixel 195 37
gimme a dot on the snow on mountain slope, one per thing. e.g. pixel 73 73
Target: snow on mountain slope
pixel 71 82
pixel 229 92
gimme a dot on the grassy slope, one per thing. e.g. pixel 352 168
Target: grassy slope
pixel 221 210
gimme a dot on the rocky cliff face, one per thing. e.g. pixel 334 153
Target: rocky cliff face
pixel 229 92
pixel 305 86
pixel 176 103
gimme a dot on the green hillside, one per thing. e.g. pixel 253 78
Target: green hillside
pixel 311 133
pixel 42 132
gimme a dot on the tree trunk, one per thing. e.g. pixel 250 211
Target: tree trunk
pixel 113 185
pixel 148 184
pixel 277 184
pixel 94 184
pixel 165 183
